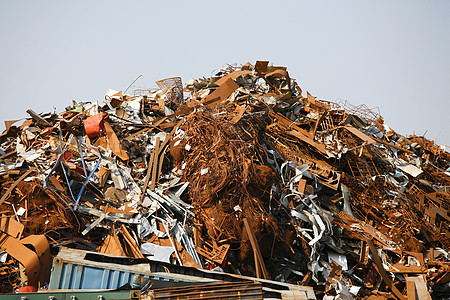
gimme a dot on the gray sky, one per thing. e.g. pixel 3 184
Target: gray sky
pixel 394 55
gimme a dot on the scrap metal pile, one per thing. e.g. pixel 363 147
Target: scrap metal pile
pixel 245 175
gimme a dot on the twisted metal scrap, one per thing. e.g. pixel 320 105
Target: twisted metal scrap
pixel 225 154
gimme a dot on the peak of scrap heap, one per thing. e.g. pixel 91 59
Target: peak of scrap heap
pixel 237 183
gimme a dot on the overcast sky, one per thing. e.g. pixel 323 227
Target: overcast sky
pixel 394 55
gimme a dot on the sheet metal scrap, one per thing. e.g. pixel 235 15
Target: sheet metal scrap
pixel 246 175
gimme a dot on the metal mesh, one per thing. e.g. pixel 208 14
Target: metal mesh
pixel 372 114
pixel 141 92
pixel 175 86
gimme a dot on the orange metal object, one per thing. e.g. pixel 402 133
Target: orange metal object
pixel 94 124
pixel 27 289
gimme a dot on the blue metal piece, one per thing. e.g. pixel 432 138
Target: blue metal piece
pixel 58 162
pixel 82 159
pixel 74 276
pixel 86 182
pixel 78 269
pixel 71 270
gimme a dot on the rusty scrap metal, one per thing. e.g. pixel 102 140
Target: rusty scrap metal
pixel 246 176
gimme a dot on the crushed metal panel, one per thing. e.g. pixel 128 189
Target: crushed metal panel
pixel 239 290
pixel 11 226
pixel 72 271
pixel 232 75
pixel 221 93
pixel 114 142
pixel 25 256
pixel 261 65
pixel 42 249
pixel 407 168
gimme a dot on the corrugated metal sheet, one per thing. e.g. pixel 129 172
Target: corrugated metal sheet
pixel 77 269
pixel 73 276
pixel 240 290
pixel 71 271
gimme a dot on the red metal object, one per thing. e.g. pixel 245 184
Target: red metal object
pixel 94 124
pixel 67 155
pixel 27 289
